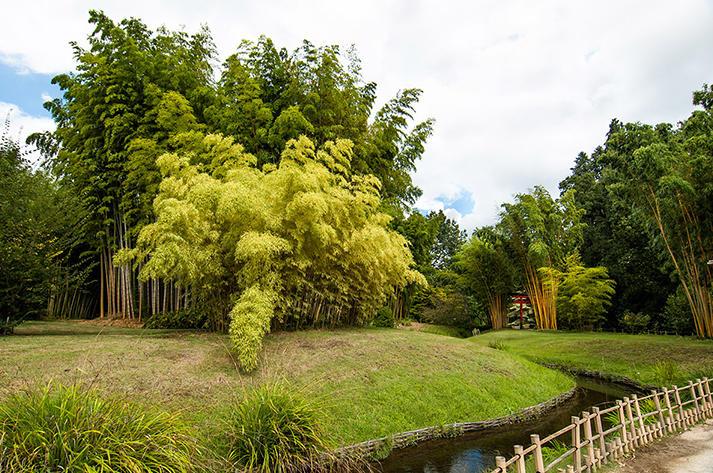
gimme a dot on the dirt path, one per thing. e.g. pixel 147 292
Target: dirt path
pixel 689 452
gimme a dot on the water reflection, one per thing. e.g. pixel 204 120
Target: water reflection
pixel 476 452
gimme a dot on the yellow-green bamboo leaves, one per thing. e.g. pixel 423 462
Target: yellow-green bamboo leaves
pixel 582 293
pixel 303 240
pixel 540 232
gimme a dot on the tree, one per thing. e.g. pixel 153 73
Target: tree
pixel 36 220
pixel 484 269
pixel 132 91
pixel 582 294
pixel 618 239
pixel 667 171
pixel 303 241
pixel 268 96
pixel 539 232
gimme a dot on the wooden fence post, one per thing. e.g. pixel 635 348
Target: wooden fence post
pixel 704 402
pixel 697 410
pixel 679 406
pixel 622 430
pixel 643 438
pixel 632 426
pixel 539 460
pixel 657 404
pixel 600 434
pixel 670 418
pixel 708 394
pixel 588 437
pixel 577 454
pixel 500 463
pixel 520 462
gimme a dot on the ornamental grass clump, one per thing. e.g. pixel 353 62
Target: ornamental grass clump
pixel 276 428
pixel 74 429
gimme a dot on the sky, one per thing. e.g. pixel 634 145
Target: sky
pixel 518 88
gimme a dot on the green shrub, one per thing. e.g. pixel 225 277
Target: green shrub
pixel 7 326
pixel 497 345
pixel 186 319
pixel 60 428
pixel 666 372
pixel 276 429
pixel 635 322
pixel 384 318
pixel 677 315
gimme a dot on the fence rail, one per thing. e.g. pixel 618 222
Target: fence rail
pixel 634 423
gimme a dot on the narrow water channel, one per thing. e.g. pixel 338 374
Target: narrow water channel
pixel 476 452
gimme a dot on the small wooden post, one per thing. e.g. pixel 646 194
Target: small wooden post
pixel 588 437
pixel 577 454
pixel 587 463
pixel 708 394
pixel 657 404
pixel 500 463
pixel 622 427
pixel 598 457
pixel 632 427
pixel 539 460
pixel 679 406
pixel 600 433
pixel 670 420
pixel 697 410
pixel 643 440
pixel 520 462
pixel 570 469
pixel 704 402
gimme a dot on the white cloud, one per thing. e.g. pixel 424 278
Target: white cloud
pixel 22 125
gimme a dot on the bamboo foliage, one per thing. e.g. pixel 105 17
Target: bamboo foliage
pixel 539 232
pixel 484 270
pixel 670 171
pixel 303 240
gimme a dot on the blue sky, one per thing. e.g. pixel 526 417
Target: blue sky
pixel 27 90
pixel 517 88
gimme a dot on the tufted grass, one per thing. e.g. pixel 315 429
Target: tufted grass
pixel 54 427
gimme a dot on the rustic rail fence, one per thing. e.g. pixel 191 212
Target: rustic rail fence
pixel 637 421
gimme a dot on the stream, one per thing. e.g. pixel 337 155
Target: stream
pixel 475 452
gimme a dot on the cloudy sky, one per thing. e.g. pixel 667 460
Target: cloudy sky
pixel 518 88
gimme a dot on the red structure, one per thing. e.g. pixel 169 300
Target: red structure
pixel 520 299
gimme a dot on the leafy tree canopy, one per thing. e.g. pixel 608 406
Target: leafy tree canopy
pixel 36 219
pixel 257 241
pixel 268 96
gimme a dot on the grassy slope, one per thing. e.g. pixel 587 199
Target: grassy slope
pixel 375 382
pixel 634 356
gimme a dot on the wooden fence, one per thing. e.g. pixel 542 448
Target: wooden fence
pixel 637 422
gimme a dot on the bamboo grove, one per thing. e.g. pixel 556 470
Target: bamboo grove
pixel 138 94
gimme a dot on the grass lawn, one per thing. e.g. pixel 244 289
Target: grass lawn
pixel 374 382
pixel 634 356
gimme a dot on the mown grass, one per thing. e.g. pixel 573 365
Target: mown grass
pixel 372 382
pixel 661 360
